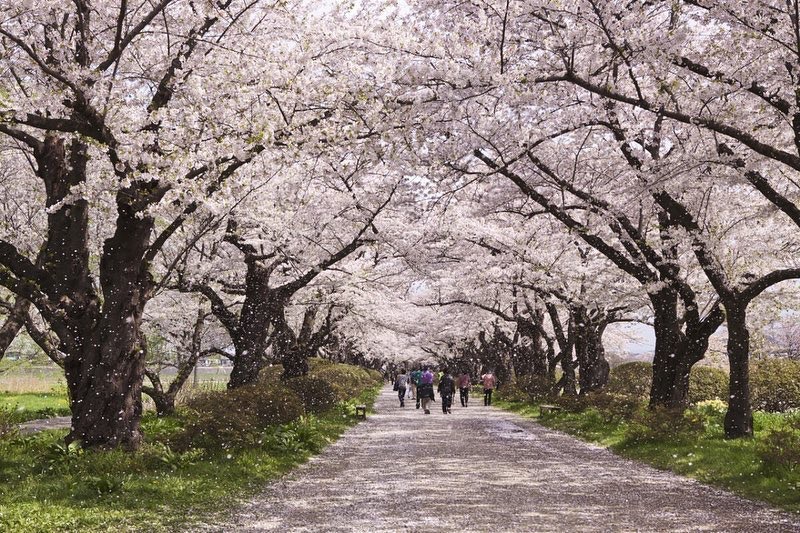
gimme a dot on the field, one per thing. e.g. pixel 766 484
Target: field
pixel 32 392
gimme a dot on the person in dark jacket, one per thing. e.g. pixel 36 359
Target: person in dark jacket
pixel 447 387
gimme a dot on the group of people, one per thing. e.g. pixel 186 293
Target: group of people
pixel 418 385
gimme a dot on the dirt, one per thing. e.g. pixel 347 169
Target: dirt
pixel 42 424
pixel 483 469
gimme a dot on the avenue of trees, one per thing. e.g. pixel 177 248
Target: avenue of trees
pixel 491 181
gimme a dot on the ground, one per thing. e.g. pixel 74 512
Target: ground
pixel 482 469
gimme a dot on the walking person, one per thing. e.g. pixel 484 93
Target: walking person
pixel 416 376
pixel 464 383
pixel 447 387
pixel 400 384
pixel 425 390
pixel 489 383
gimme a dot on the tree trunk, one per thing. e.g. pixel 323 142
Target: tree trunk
pixel 667 332
pixel 258 311
pixel 739 418
pixel 597 369
pixel 105 375
pixel 165 404
pixel 12 325
pixel 692 349
pixel 295 364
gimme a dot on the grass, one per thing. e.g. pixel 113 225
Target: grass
pixel 737 465
pixel 26 406
pixel 45 486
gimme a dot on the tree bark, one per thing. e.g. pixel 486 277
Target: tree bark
pixel 257 315
pixel 12 325
pixel 739 418
pixel 665 358
pixel 105 377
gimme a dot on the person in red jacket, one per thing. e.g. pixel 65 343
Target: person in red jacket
pixel 489 383
pixel 464 383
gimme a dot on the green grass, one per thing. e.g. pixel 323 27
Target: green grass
pixel 30 405
pixel 45 486
pixel 735 465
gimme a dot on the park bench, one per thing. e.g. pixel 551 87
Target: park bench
pixel 361 411
pixel 547 409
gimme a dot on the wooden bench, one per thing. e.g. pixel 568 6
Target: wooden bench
pixel 361 411
pixel 547 409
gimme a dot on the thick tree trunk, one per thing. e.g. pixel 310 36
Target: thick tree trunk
pixel 590 353
pixel 597 368
pixel 665 359
pixel 739 418
pixel 105 376
pixel 258 312
pixel 295 364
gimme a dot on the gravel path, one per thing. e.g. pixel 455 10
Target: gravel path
pixel 42 424
pixel 483 469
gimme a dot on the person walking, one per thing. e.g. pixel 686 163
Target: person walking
pixel 425 390
pixel 447 387
pixel 489 383
pixel 416 376
pixel 400 384
pixel 464 383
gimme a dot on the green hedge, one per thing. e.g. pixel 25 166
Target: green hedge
pixel 707 383
pixel 775 385
pixel 631 379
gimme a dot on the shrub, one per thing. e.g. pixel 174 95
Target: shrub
pixel 707 383
pixel 316 393
pixel 662 424
pixel 615 407
pixel 775 385
pixel 537 387
pixel 780 448
pixel 347 380
pixel 572 404
pixel 631 379
pixel 236 417
pixel 511 392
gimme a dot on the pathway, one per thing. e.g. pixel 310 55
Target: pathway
pixel 483 469
pixel 41 424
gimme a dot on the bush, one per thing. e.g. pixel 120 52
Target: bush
pixel 347 380
pixel 631 379
pixel 780 448
pixel 511 392
pixel 775 385
pixel 661 424
pixel 537 387
pixel 707 383
pixel 235 417
pixel 615 407
pixel 572 404
pixel 316 393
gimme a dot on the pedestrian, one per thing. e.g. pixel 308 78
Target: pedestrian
pixel 464 384
pixel 416 376
pixel 400 384
pixel 489 383
pixel 425 390
pixel 447 387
